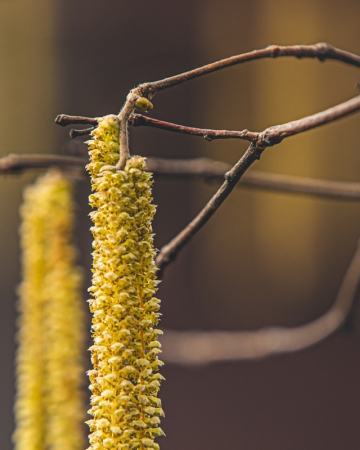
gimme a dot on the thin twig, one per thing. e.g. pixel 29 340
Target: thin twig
pixel 270 136
pixel 124 117
pixel 276 134
pixel 139 120
pixel 322 51
pixel 185 347
pixel 76 133
pixel 64 120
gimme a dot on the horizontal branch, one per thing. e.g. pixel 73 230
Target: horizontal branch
pixel 139 120
pixel 270 136
pixel 185 347
pixel 13 163
pixel 198 168
pixel 64 120
pixel 322 51
pixel 212 170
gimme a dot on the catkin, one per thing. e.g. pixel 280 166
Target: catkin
pixel 49 403
pixel 124 380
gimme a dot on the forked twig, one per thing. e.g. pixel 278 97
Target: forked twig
pixel 259 141
pixel 321 51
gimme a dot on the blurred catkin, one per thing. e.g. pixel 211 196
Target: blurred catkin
pixel 124 381
pixel 49 404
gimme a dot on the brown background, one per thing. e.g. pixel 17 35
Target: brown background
pixel 264 258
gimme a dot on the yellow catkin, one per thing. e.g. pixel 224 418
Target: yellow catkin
pixel 49 406
pixel 124 381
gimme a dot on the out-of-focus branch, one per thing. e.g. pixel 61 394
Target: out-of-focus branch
pixel 198 168
pixel 212 170
pixel 14 163
pixel 185 347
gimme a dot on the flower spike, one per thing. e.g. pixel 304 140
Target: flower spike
pixel 124 380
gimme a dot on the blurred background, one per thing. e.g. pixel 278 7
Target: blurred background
pixel 264 258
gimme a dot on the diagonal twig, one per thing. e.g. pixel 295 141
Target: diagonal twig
pixel 186 347
pixel 169 252
pixel 269 137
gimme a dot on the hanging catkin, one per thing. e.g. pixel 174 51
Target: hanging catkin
pixel 49 406
pixel 124 381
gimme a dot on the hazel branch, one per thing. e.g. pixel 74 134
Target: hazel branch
pixel 185 347
pixel 270 136
pixel 139 120
pixel 322 51
pixel 141 94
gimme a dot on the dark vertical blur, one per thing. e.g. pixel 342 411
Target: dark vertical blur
pixel 264 258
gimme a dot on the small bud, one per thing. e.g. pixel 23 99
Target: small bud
pixel 143 104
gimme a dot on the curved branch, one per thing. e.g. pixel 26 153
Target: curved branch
pixel 321 51
pixel 184 347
